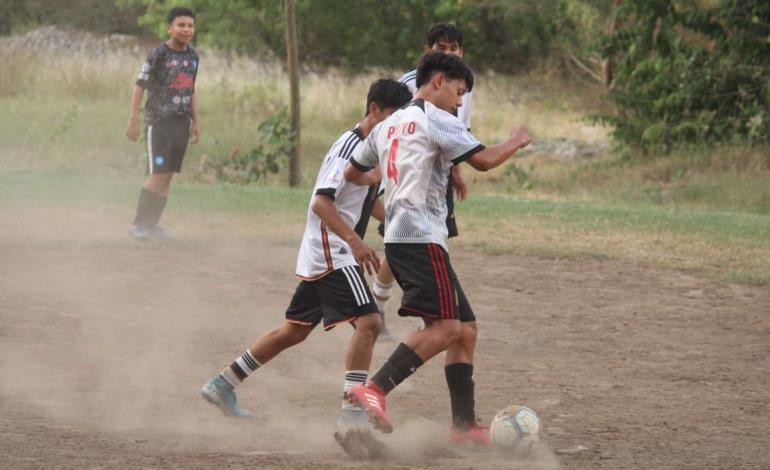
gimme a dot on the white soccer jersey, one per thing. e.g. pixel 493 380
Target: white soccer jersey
pixel 415 148
pixel 322 251
pixel 464 113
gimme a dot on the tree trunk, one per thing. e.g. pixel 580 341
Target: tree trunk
pixel 292 68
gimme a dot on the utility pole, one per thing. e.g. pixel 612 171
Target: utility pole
pixel 292 68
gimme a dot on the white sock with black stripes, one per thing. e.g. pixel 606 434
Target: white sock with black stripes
pixel 241 368
pixel 353 378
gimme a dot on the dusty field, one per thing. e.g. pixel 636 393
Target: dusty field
pixel 105 342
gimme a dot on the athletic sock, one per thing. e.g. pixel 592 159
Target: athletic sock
pixel 158 204
pixel 143 207
pixel 241 368
pixel 381 290
pixel 459 378
pixel 400 365
pixel 353 378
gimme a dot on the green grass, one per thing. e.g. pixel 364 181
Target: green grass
pixel 729 246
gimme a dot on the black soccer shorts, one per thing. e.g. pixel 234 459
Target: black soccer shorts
pixel 167 143
pixel 430 285
pixel 340 296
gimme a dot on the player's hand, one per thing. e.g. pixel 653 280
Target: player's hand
pixel 133 130
pixel 459 184
pixel 195 133
pixel 522 137
pixel 367 258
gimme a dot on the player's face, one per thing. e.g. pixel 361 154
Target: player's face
pixel 449 95
pixel 182 29
pixel 447 47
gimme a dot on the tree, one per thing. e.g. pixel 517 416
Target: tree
pixel 686 73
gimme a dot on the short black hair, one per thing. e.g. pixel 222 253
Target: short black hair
pixel 444 31
pixel 387 93
pixel 450 65
pixel 177 12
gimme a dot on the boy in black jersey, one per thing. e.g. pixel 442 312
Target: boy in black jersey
pixel 171 115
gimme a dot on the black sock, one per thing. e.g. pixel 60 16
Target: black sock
pixel 143 207
pixel 156 209
pixel 400 365
pixel 459 378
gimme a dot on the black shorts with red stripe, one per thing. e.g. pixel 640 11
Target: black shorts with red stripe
pixel 430 285
pixel 340 296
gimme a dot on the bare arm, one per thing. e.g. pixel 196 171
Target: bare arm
pixel 378 210
pixel 496 155
pixel 133 123
pixel 362 178
pixel 325 209
pixel 196 128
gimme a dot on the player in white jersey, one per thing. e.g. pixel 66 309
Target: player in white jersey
pixel 447 38
pixel 415 149
pixel 332 287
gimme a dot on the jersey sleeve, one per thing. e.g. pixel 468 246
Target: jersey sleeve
pixel 465 110
pixel 454 140
pixel 410 80
pixel 331 178
pixel 148 70
pixel 365 156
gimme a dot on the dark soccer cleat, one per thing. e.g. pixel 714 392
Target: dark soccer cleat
pixel 475 434
pixel 220 394
pixel 370 398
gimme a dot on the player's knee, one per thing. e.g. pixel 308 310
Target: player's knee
pixel 369 325
pixel 451 331
pixel 469 331
pixel 294 334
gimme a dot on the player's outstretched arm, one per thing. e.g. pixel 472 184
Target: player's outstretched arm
pixel 325 209
pixel 496 155
pixel 133 123
pixel 361 177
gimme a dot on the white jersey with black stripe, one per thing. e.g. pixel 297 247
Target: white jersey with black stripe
pixel 464 113
pixel 416 148
pixel 321 251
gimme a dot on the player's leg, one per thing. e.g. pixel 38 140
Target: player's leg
pixel 382 287
pixel 345 298
pixel 154 192
pixel 303 314
pixel 423 272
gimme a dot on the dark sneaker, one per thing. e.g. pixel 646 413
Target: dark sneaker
pixel 220 394
pixel 370 398
pixel 477 434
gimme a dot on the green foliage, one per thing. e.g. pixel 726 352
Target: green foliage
pixel 273 148
pixel 502 36
pixel 98 16
pixel 688 74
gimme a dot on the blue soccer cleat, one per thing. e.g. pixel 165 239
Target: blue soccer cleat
pixel 220 394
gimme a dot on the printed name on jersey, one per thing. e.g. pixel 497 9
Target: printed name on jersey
pixel 403 128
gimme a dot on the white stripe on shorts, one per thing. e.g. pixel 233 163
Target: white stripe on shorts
pixel 358 285
pixel 149 149
pixel 353 287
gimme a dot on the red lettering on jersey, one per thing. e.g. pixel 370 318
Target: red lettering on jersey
pixel 391 131
pixel 392 170
pixel 182 81
pixel 402 128
pixel 410 127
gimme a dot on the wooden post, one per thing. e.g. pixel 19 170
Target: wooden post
pixel 292 68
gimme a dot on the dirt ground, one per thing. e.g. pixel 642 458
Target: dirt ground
pixel 105 342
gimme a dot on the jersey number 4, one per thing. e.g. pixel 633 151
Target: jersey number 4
pixel 392 170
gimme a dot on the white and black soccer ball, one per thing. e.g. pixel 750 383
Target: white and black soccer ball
pixel 515 429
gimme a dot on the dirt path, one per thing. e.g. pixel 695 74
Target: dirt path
pixel 104 344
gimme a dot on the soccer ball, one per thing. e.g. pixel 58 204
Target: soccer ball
pixel 515 429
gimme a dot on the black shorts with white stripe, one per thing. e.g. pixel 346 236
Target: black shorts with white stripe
pixel 430 285
pixel 340 296
pixel 167 144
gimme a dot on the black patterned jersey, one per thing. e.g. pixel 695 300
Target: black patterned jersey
pixel 169 78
